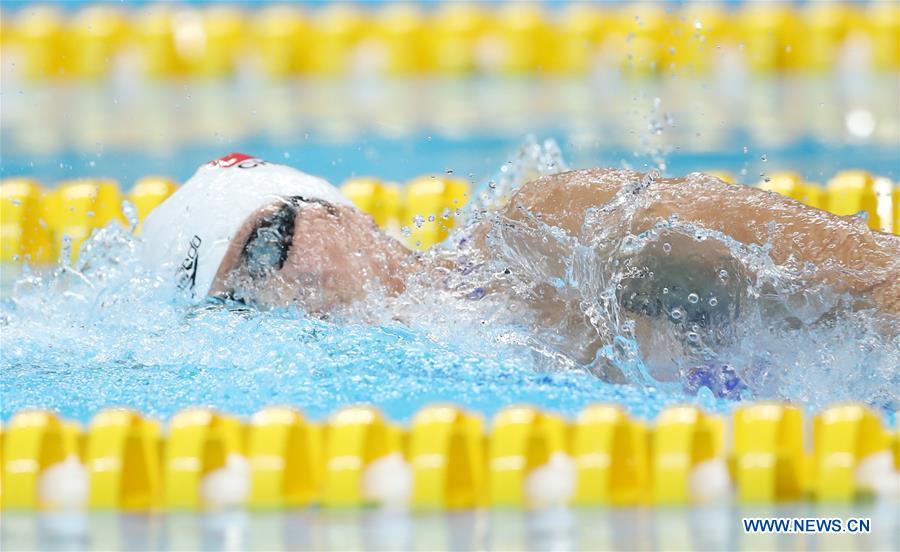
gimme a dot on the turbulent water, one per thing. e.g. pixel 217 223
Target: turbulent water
pixel 108 332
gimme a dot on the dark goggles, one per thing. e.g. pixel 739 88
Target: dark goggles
pixel 270 241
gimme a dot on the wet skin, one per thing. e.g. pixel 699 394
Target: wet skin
pixel 335 253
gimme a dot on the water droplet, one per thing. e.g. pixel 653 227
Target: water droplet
pixel 764 157
pixel 746 149
pixel 406 231
pixel 723 274
pixel 131 214
pixel 676 314
pixel 418 220
pixel 287 155
pixel 693 298
pixel 713 301
pixel 667 247
pixel 431 218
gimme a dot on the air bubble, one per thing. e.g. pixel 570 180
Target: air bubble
pixel 667 247
pixel 693 298
pixel 713 301
pixel 418 220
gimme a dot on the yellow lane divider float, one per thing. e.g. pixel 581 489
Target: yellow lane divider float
pixel 169 40
pixel 445 460
pixel 37 222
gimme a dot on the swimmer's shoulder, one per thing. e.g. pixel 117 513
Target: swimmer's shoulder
pixel 597 183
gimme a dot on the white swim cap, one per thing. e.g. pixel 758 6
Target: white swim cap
pixel 191 231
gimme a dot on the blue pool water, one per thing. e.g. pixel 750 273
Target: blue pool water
pixel 108 333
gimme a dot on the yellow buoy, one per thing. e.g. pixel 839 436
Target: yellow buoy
pixel 80 206
pixel 285 454
pixel 695 37
pixel 214 54
pixel 883 28
pixel 768 453
pixel 683 438
pixel 447 455
pixel 825 27
pixel 357 436
pixel 281 40
pixel 521 39
pixel 33 441
pixel 430 209
pixel 456 31
pixel 95 36
pixel 200 441
pixel 768 35
pixel 123 461
pixel 155 31
pixel 40 34
pixel 852 192
pixel 611 457
pixel 149 192
pixel 400 30
pixel 335 32
pixel 578 33
pixel 522 440
pixel 895 201
pixel 724 176
pixel 843 437
pixel 23 232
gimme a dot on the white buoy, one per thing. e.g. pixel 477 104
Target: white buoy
pixel 64 485
pixel 551 484
pixel 227 486
pixel 876 473
pixel 709 482
pixel 388 481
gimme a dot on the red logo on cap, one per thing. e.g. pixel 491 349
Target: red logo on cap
pixel 235 159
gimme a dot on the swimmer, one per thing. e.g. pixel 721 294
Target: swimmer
pixel 265 234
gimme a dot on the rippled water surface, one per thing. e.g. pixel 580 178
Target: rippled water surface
pixel 107 332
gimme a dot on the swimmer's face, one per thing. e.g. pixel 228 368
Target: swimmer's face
pixel 309 253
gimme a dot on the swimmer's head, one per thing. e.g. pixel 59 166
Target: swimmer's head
pixel 267 233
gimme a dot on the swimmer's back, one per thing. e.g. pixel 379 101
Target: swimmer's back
pixel 849 255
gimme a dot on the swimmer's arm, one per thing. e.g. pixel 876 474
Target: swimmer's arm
pixel 849 256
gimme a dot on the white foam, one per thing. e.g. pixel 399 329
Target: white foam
pixel 388 481
pixel 64 485
pixel 551 484
pixel 709 482
pixel 876 473
pixel 227 486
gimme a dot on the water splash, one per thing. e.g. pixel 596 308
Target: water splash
pixel 654 309
pixel 106 331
